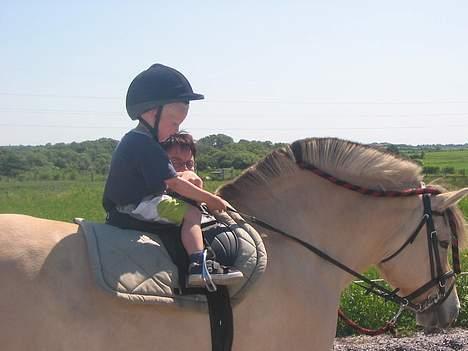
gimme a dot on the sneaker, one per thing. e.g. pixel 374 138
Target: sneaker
pixel 221 275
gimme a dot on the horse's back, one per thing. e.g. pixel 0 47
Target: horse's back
pixel 28 241
pixel 41 264
pixel 49 301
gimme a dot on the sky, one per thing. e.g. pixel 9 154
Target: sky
pixel 367 71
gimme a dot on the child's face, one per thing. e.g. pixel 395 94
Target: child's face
pixel 181 158
pixel 172 117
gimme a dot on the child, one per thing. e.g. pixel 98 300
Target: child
pixel 181 150
pixel 141 170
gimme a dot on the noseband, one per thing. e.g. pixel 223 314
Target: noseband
pixel 438 277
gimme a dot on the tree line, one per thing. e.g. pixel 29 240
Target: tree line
pixel 74 160
pixel 92 158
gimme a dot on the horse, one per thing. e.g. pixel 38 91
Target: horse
pixel 48 300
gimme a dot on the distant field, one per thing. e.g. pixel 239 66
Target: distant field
pixel 454 158
pixel 60 200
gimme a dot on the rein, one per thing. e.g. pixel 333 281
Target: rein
pixel 426 219
pixel 390 295
pixel 437 276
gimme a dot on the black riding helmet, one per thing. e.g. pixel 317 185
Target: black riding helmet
pixel 155 87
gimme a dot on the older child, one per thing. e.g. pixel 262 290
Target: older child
pixel 141 170
pixel 181 150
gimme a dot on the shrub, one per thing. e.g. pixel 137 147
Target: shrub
pixel 431 169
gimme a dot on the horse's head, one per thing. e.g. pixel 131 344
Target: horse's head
pixel 420 267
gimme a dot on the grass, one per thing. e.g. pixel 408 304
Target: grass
pixel 453 158
pixel 372 312
pixel 463 204
pixel 59 200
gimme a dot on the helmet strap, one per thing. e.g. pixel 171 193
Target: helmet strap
pixel 156 122
pixel 154 131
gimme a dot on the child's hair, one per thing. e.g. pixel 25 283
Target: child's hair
pixel 181 139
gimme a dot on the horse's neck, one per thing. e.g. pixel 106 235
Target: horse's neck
pixel 355 229
pixel 299 287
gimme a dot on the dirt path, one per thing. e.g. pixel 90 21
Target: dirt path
pixel 455 339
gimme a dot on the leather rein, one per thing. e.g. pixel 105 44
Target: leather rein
pixel 438 277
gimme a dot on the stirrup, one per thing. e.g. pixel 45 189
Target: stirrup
pixel 206 276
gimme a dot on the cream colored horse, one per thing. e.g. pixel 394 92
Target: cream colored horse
pixel 48 300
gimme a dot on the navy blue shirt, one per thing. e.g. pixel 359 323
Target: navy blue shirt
pixel 138 169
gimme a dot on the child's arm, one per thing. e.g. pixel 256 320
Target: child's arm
pixel 192 177
pixel 187 189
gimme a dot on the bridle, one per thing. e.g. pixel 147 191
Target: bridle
pixel 438 277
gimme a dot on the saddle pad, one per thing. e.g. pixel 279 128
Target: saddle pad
pixel 136 267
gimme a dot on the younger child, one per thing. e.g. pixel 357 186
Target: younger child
pixel 181 151
pixel 141 170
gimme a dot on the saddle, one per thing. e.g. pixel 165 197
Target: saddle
pixel 136 267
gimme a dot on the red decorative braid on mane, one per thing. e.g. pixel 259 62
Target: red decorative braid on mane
pixel 365 191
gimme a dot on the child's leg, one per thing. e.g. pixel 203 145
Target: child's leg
pixel 192 239
pixel 191 232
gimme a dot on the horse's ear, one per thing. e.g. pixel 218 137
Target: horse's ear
pixel 443 201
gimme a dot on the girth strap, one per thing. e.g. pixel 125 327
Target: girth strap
pixel 221 321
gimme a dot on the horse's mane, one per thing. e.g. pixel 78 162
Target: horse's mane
pixel 351 162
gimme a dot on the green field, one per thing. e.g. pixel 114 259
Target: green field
pixel 64 200
pixel 453 158
pixel 60 200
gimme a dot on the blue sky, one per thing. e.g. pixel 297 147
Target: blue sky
pixel 367 71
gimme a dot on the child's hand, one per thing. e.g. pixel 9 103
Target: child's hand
pixel 192 178
pixel 215 203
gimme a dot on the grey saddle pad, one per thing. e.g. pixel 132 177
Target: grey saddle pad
pixel 136 267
